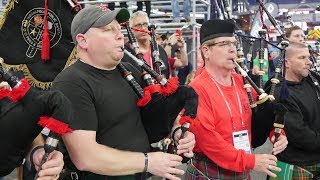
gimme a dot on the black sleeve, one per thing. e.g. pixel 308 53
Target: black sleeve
pixel 50 103
pixel 298 132
pixel 83 108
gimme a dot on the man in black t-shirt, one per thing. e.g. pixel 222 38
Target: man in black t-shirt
pixel 109 138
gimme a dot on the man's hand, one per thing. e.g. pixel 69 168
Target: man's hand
pixel 50 169
pixel 266 163
pixel 186 144
pixel 164 165
pixel 180 41
pixel 280 145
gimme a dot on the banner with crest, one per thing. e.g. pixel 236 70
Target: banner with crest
pixel 21 34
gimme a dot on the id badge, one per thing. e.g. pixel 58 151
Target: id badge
pixel 241 141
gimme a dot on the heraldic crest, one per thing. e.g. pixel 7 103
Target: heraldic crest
pixel 35 39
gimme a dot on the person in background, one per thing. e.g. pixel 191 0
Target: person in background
pixel 295 34
pixel 162 40
pixel 274 59
pixel 111 6
pixel 175 47
pixel 176 10
pixel 147 4
pixel 140 20
pixel 186 74
pixel 179 57
pixel 265 69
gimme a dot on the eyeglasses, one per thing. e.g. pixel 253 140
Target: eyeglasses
pixel 224 44
pixel 141 25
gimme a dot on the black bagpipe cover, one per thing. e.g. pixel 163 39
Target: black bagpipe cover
pixel 263 117
pixel 19 123
pixel 160 113
pixel 262 123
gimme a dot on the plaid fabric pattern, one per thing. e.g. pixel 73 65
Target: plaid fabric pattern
pixel 305 172
pixel 202 168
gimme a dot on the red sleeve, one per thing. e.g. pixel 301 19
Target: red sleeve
pixel 210 142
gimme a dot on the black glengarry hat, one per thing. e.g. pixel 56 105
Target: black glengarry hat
pixel 215 28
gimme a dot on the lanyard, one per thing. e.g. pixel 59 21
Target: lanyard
pixel 227 103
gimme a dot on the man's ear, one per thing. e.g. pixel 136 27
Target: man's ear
pixel 287 63
pixel 205 52
pixel 82 41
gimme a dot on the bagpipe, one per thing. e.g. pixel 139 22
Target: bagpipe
pixel 24 112
pixel 162 99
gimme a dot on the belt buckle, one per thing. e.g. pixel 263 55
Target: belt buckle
pixel 74 176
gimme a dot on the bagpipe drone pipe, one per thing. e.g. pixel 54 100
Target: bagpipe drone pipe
pixel 24 112
pixel 161 100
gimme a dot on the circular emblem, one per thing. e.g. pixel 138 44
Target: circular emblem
pixel 32 29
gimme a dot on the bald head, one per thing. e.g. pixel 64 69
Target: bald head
pixel 294 48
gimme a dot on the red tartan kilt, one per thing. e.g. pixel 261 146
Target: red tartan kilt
pixel 210 170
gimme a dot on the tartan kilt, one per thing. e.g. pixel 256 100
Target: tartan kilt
pixel 210 170
pixel 305 172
